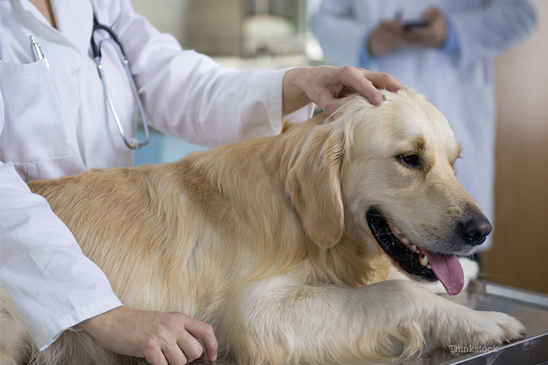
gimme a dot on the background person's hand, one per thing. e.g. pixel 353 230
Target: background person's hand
pixel 159 338
pixel 323 84
pixel 431 36
pixel 386 38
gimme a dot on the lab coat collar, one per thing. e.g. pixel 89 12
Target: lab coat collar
pixel 74 20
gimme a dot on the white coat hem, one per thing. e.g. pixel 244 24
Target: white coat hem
pixel 53 330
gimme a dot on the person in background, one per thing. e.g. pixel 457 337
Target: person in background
pixel 442 48
pixel 55 121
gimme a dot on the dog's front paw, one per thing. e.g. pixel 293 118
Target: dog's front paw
pixel 480 330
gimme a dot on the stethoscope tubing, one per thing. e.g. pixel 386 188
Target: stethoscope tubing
pixel 133 144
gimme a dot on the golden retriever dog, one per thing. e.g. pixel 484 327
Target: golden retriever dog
pixel 284 244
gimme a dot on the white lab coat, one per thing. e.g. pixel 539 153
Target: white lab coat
pixel 459 82
pixel 55 122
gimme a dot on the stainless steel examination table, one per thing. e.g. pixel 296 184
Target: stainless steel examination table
pixel 528 307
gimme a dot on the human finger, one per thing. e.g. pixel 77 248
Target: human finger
pixel 410 39
pixel 393 40
pixel 191 348
pixel 383 81
pixel 356 79
pixel 433 35
pixel 175 354
pixel 155 357
pixel 204 332
pixel 382 42
pixel 326 101
pixel 393 26
pixel 431 14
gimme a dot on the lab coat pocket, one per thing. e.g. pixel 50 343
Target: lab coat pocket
pixel 35 127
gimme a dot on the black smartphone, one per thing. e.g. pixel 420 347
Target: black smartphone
pixel 415 24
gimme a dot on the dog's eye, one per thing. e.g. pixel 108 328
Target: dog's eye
pixel 409 160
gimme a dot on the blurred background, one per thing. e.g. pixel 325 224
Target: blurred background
pixel 276 34
pixel 243 34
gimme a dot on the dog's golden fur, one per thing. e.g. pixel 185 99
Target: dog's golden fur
pixel 266 240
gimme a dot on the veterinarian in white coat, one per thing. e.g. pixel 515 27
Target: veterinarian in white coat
pixel 54 121
pixel 450 62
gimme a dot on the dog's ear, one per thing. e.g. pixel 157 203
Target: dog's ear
pixel 314 187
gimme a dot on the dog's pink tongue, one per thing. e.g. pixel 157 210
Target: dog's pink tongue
pixel 448 271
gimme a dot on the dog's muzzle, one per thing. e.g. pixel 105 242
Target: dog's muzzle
pixel 415 260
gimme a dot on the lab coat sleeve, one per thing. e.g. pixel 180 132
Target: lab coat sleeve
pixel 342 37
pixel 491 28
pixel 189 96
pixel 51 285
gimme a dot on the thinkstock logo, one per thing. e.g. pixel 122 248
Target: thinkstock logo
pixel 469 348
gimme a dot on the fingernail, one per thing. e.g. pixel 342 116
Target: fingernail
pixel 380 101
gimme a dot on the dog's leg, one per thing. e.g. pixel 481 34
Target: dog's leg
pixel 281 322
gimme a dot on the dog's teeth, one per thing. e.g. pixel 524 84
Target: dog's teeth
pixel 397 230
pixel 424 260
pixel 405 240
pixel 428 266
pixel 414 248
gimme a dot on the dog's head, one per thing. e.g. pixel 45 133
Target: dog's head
pixel 388 172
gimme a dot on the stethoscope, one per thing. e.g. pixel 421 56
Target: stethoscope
pixel 133 143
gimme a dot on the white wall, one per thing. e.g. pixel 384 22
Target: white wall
pixel 518 256
pixel 168 16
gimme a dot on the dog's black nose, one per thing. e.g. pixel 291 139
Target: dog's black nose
pixel 475 230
